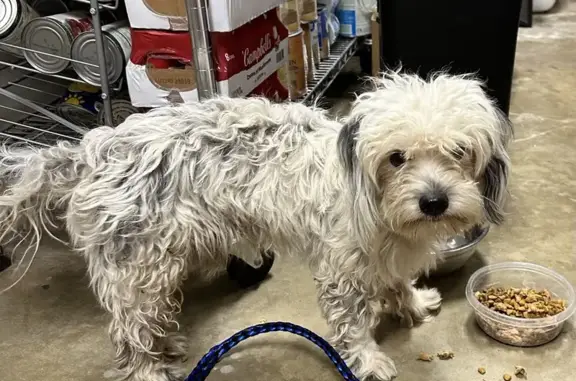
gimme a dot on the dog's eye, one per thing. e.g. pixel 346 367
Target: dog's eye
pixel 397 158
pixel 458 152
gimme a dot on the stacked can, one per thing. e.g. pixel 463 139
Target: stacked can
pixel 121 110
pixel 80 104
pixel 14 16
pixel 53 35
pixel 117 47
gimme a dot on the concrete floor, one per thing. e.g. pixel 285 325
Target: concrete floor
pixel 52 329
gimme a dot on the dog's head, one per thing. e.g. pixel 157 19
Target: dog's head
pixel 426 157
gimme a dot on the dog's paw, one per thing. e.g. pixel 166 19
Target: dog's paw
pixel 428 298
pixel 371 364
pixel 422 305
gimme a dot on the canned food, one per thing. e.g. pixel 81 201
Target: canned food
pixel 297 65
pixel 121 109
pixel 307 28
pixel 289 13
pixel 54 35
pixel 309 10
pixel 323 38
pixel 117 47
pixel 14 15
pixel 80 104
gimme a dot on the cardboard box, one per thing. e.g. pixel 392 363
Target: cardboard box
pixel 272 88
pixel 154 88
pixel 223 15
pixel 161 72
pixel 160 87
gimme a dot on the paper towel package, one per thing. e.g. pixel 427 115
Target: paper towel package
pixel 223 15
pixel 161 72
pixel 355 17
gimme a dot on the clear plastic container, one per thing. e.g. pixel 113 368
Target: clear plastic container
pixel 517 331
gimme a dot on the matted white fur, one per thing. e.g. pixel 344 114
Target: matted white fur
pixel 180 188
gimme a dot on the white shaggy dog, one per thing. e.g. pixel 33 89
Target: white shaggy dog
pixel 178 189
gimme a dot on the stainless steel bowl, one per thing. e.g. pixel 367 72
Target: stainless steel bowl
pixel 458 250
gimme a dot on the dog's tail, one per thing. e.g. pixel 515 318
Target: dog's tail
pixel 34 183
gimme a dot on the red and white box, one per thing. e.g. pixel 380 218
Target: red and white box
pixel 272 88
pixel 223 15
pixel 161 72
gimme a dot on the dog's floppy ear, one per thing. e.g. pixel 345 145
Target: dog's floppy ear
pixel 363 191
pixel 495 176
pixel 347 139
pixel 495 183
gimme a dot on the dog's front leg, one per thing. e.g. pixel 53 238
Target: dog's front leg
pixel 350 303
pixel 411 304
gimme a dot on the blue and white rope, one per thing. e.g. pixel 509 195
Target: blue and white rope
pixel 210 359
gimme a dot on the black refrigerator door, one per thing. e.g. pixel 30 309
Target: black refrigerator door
pixel 460 36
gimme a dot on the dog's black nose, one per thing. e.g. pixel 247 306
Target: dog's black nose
pixel 434 204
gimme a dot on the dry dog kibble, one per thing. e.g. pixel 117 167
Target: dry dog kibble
pixel 482 370
pixel 446 355
pixel 520 371
pixel 521 302
pixel 425 357
pixel 507 377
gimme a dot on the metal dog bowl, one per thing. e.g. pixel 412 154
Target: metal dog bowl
pixel 458 250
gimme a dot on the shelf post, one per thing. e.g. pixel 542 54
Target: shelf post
pixel 197 11
pixel 97 24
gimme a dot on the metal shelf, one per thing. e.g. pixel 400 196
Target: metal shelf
pixel 24 66
pixel 66 75
pixel 38 130
pixel 42 110
pixel 27 119
pixel 40 123
pixel 30 112
pixel 340 53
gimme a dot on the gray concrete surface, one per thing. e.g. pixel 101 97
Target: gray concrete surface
pixel 52 329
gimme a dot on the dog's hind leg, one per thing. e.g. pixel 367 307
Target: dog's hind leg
pixel 350 303
pixel 141 291
pixel 411 304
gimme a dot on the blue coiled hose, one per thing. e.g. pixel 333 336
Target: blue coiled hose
pixel 210 359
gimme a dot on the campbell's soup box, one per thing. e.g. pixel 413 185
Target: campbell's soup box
pixel 161 69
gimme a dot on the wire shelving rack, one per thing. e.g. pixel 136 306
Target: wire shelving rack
pixel 40 123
